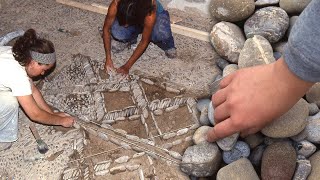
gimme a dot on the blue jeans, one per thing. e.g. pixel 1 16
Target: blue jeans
pixel 161 33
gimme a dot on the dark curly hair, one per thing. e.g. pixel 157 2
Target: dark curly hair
pixel 133 12
pixel 30 42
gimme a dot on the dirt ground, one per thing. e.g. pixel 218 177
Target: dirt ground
pixel 191 71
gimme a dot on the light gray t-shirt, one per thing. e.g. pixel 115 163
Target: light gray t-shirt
pixel 302 52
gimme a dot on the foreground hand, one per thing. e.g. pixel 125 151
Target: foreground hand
pixel 68 121
pixel 110 70
pixel 123 70
pixel 251 98
pixel 108 67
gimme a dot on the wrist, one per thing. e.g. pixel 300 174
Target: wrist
pixel 108 59
pixel 127 66
pixel 290 80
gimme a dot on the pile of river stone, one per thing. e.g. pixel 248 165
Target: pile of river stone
pixel 251 33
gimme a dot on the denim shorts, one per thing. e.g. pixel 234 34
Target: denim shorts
pixel 161 33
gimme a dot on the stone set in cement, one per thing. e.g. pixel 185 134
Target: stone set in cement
pixel 80 89
pixel 251 33
pixel 24 161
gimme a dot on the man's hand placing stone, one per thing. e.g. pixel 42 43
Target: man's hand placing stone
pixel 251 98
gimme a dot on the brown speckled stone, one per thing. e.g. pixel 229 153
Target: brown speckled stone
pixel 289 124
pixel 269 22
pixel 278 161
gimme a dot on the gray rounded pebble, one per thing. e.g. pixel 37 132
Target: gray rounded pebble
pixel 313 95
pixel 279 46
pixel 314 117
pixel 303 169
pixel 227 143
pixel 313 131
pixel 294 6
pixel 315 164
pixel 213 86
pixel 300 137
pixel 228 40
pixel 240 150
pixel 222 63
pixel 262 3
pixel 269 22
pixel 200 135
pixel 268 140
pixel 240 169
pixel 256 155
pixel 277 55
pixel 256 51
pixel 201 160
pixel 313 109
pixel 211 113
pixel 305 148
pixel 254 140
pixel 231 10
pixel 292 21
pixel 203 119
pixel 231 68
pixel 202 103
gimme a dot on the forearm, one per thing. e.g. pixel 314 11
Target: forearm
pixel 44 117
pixel 109 19
pixel 107 43
pixel 146 36
pixel 39 100
pixel 36 113
pixel 142 46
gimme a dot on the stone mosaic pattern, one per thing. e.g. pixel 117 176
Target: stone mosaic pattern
pixel 78 89
pixel 23 161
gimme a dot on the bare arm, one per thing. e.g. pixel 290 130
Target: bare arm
pixel 39 99
pixel 43 104
pixel 143 44
pixel 110 17
pixel 39 115
pixel 251 98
